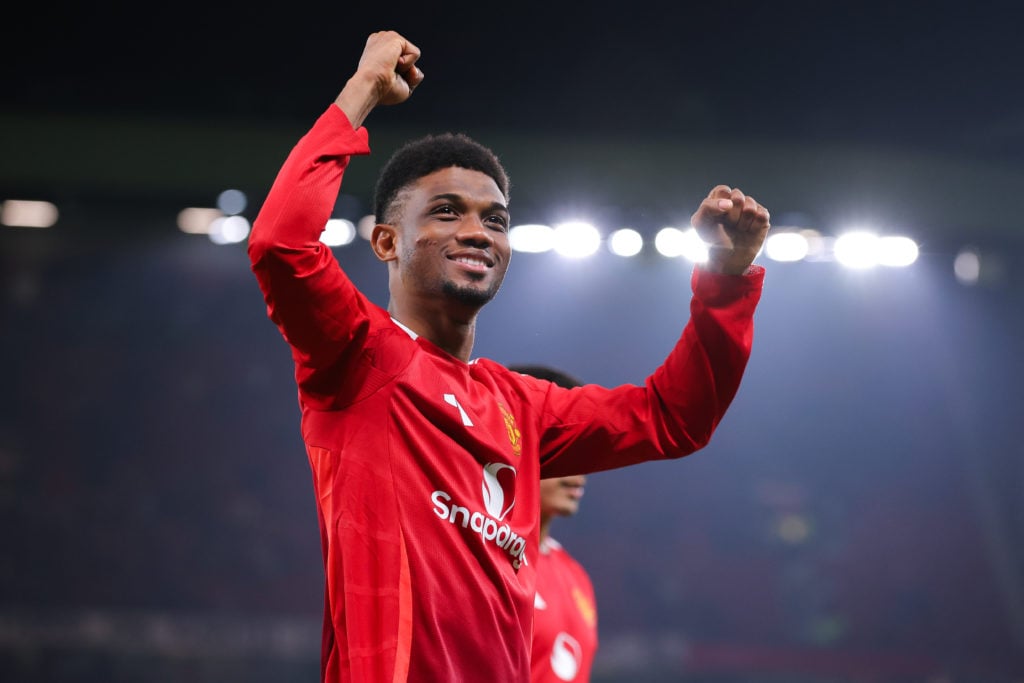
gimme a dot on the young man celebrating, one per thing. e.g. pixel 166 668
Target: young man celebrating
pixel 426 464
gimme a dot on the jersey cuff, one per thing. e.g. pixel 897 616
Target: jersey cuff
pixel 346 140
pixel 716 289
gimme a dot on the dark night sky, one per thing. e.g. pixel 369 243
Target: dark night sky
pixel 943 76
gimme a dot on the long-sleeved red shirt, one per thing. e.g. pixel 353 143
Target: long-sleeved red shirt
pixel 426 468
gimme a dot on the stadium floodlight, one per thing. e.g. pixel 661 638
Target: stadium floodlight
pixel 673 242
pixel 532 238
pixel 25 213
pixel 229 230
pixel 196 220
pixel 625 242
pixel 694 248
pixel 787 246
pixel 967 266
pixel 366 225
pixel 232 202
pixel 338 232
pixel 669 242
pixel 576 239
pixel 857 249
pixel 897 251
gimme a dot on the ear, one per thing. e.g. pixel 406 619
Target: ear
pixel 384 240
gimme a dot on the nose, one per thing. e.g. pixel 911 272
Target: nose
pixel 574 480
pixel 473 232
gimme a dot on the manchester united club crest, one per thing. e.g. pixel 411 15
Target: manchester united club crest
pixel 585 606
pixel 515 437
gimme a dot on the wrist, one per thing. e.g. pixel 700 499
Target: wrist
pixel 727 261
pixel 358 98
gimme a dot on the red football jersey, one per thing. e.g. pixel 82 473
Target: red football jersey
pixel 426 468
pixel 564 618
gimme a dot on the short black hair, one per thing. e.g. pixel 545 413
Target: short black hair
pixel 423 156
pixel 562 379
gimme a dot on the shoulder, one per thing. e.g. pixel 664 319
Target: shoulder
pixel 566 563
pixel 550 545
pixel 519 383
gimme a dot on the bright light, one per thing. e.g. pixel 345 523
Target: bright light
pixel 967 267
pixel 338 232
pixel 229 230
pixel 197 221
pixel 232 202
pixel 857 249
pixel 625 242
pixel 366 225
pixel 669 242
pixel 532 238
pixel 897 251
pixel 673 242
pixel 22 213
pixel 787 246
pixel 694 248
pixel 577 239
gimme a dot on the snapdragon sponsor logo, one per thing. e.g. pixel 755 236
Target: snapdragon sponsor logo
pixel 499 489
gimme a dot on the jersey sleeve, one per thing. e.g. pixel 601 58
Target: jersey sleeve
pixel 313 303
pixel 679 406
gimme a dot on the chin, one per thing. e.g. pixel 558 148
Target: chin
pixel 471 296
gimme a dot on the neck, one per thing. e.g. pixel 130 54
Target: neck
pixel 452 331
pixel 545 526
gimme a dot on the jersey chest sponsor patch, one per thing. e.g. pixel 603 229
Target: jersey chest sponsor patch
pixel 485 515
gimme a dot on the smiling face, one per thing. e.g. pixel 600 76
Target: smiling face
pixel 560 496
pixel 450 239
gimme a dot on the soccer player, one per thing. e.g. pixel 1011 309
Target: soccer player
pixel 565 612
pixel 426 463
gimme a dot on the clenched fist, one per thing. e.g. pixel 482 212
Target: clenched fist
pixel 387 74
pixel 734 227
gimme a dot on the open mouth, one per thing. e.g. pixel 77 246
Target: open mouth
pixel 475 263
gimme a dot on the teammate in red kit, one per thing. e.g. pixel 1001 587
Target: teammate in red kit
pixel 565 611
pixel 426 464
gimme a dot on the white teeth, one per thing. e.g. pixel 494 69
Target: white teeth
pixel 470 261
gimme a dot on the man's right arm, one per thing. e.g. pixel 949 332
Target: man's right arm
pixel 303 285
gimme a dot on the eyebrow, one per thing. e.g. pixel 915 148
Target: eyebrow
pixel 459 199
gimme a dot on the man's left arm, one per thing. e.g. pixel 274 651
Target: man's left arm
pixel 677 409
pixel 699 379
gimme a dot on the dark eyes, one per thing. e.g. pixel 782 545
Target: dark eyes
pixel 498 220
pixel 449 212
